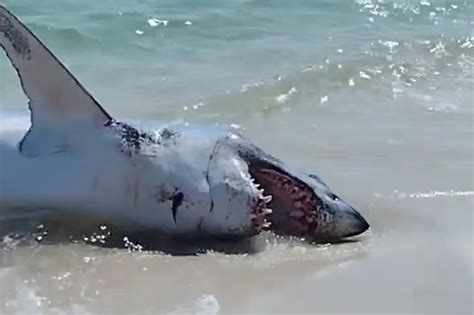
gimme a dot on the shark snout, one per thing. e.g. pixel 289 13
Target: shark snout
pixel 347 221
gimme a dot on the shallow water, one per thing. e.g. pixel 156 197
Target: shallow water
pixel 374 96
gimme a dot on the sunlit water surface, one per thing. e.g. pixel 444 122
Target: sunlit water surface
pixel 374 96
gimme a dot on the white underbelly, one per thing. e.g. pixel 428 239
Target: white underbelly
pixel 101 182
pixel 58 180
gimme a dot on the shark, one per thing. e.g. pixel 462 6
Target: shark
pixel 181 179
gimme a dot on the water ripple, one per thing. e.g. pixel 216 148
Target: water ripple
pixel 431 194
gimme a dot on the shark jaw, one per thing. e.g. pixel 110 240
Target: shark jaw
pixel 285 200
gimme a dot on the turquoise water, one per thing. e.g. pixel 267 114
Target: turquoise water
pixel 158 57
pixel 375 96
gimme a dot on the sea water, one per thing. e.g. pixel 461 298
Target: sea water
pixel 374 96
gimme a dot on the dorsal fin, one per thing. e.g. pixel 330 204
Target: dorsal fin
pixel 55 96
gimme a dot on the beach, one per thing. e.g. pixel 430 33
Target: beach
pixel 376 97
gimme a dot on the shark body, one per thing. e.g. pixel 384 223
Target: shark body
pixel 182 180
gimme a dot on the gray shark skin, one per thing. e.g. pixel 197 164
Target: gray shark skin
pixel 182 180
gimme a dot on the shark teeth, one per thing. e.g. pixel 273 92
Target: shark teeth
pixel 259 215
pixel 267 199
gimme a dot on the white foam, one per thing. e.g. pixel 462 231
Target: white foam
pixel 154 22
pixel 431 194
pixel 364 75
pixel 282 98
pixel 206 304
pixel 13 122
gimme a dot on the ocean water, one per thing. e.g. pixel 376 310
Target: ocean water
pixel 375 96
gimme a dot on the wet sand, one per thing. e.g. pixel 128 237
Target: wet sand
pixel 375 97
pixel 417 258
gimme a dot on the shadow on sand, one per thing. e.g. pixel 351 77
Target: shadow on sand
pixel 50 231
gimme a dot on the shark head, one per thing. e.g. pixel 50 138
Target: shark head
pixel 278 197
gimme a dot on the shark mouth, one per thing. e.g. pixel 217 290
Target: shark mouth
pixel 289 205
pixel 285 204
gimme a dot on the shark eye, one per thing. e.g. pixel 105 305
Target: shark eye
pixel 334 197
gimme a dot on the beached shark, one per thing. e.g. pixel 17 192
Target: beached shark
pixel 178 179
